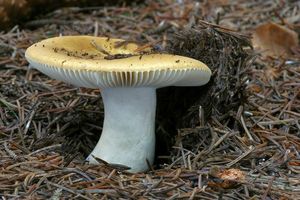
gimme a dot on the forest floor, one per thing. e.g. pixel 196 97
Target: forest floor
pixel 247 146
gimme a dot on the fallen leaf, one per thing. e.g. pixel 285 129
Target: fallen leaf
pixel 226 178
pixel 232 174
pixel 274 39
pixel 254 88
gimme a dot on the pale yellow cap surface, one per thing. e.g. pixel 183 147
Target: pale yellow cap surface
pixel 99 62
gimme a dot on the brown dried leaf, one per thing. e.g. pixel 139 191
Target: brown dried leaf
pixel 254 88
pixel 274 39
pixel 232 174
pixel 226 178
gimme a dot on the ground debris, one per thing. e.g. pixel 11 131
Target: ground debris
pixel 227 53
pixel 47 128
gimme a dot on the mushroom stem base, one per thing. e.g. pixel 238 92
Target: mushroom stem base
pixel 128 135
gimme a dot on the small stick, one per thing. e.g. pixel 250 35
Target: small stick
pixel 195 190
pixel 251 148
pixel 141 48
pixel 96 32
pixel 99 48
pixel 112 165
pixel 201 116
pixel 268 189
pixel 9 152
pixel 45 148
pixel 68 190
pixel 246 129
pixel 149 165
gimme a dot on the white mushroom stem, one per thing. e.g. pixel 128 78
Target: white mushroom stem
pixel 128 135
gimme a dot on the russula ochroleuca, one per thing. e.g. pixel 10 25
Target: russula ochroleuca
pixel 128 84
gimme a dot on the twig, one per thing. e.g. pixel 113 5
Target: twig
pixel 251 148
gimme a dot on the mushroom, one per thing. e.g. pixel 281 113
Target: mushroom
pixel 128 82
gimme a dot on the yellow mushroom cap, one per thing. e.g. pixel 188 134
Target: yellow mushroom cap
pixel 99 62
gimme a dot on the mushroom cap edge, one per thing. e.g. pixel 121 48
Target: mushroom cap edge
pixel 88 67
